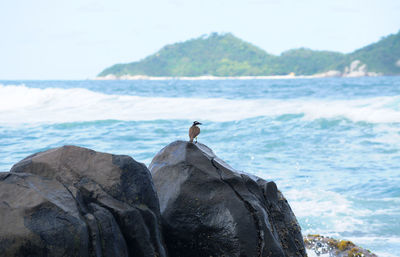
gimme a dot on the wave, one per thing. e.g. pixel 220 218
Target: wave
pixel 21 104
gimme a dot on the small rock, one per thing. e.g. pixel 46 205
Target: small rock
pixel 334 248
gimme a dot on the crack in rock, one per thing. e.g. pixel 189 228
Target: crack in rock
pixel 248 206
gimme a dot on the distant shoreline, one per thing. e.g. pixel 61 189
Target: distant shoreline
pixel 290 76
pixel 142 77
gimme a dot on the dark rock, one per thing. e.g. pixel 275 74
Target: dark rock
pixel 86 204
pixel 209 209
pixel 39 217
pixel 106 235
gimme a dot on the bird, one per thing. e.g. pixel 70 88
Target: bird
pixel 194 131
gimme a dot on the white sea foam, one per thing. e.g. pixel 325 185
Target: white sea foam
pixel 336 213
pixel 362 241
pixel 385 254
pixel 311 253
pixel 20 104
pixel 335 216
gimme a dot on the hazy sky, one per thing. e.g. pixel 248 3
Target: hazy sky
pixel 77 39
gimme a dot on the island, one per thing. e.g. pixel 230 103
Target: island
pixel 224 55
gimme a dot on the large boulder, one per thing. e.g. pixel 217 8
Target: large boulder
pixel 73 201
pixel 209 209
pixel 39 217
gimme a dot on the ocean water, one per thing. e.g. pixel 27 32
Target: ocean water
pixel 331 145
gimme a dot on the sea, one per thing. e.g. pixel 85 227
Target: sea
pixel 332 145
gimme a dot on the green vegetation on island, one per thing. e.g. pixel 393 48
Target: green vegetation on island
pixel 227 55
pixel 382 57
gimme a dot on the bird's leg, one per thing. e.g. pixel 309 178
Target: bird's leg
pixel 196 141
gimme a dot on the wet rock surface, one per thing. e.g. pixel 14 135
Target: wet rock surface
pixel 327 246
pixel 73 201
pixel 209 209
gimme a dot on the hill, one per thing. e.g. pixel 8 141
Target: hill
pixel 227 55
pixel 305 61
pixel 382 57
pixel 219 55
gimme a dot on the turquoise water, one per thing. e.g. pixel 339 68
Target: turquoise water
pixel 331 145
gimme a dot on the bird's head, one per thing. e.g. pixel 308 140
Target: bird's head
pixel 196 123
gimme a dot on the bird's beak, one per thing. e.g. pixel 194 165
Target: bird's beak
pixel 200 123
